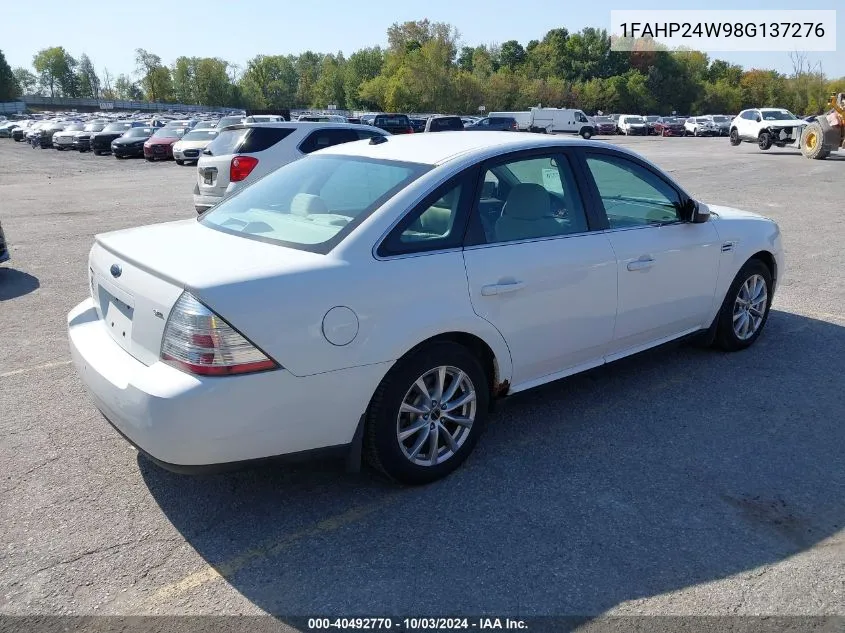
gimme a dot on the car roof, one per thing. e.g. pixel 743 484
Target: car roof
pixel 313 125
pixel 437 149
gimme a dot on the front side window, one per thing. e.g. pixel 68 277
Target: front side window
pixel 632 195
pixel 530 198
pixel 312 203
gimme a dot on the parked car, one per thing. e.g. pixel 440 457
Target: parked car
pixel 283 320
pixel 188 148
pixel 700 126
pixel 4 247
pixel 353 119
pixel 101 141
pixel 160 145
pixel 470 120
pixel 33 134
pixel 443 123
pixel 418 124
pixel 19 133
pixel 670 126
pixel 317 118
pixel 722 122
pixel 63 139
pixel 46 133
pixel 7 127
pixel 82 140
pixel 205 125
pixel 766 127
pixel 131 144
pixel 494 123
pixel 242 154
pixel 393 123
pixel 605 125
pixel 264 118
pixel 650 120
pixel 552 120
pixel 631 125
pixel 226 121
pixel 367 119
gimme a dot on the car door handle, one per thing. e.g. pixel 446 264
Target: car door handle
pixel 501 288
pixel 641 264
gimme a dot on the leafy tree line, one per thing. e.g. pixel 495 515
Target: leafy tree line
pixel 424 68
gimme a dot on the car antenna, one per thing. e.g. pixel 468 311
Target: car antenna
pixel 377 140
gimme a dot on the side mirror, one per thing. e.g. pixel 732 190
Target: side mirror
pixel 758 118
pixel 696 213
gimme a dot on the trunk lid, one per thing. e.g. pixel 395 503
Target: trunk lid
pixel 157 263
pixel 213 175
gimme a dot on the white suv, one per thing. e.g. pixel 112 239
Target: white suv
pixel 766 127
pixel 241 154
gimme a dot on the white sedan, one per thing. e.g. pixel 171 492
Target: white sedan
pixel 378 295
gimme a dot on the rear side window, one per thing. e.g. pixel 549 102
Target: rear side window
pixel 363 135
pixel 319 139
pixel 247 140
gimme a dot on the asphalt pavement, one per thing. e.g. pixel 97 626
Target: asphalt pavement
pixel 681 481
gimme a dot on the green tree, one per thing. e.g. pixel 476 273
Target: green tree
pixel 512 54
pixel 269 82
pixel 330 86
pixel 26 80
pixel 155 77
pixel 86 78
pixel 9 87
pixel 55 68
pixel 125 88
pixel 361 66
pixel 308 72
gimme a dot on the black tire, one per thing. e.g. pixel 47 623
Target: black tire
pixel 726 338
pixel 381 444
pixel 180 162
pixel 735 140
pixel 764 140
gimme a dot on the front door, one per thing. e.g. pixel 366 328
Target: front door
pixel 667 269
pixel 537 272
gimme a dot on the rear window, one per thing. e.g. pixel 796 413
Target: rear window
pixel 169 132
pixel 247 140
pixel 138 132
pixel 314 203
pixel 199 135
pixel 446 124
pixel 394 119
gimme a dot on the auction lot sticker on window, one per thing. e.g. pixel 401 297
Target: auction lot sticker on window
pixel 715 31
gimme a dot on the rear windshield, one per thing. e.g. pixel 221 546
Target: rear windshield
pixel 394 119
pixel 247 140
pixel 446 124
pixel 117 127
pixel 314 203
pixel 200 135
pixel 137 132
pixel 229 120
pixel 169 132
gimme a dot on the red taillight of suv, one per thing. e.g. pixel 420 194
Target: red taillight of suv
pixel 241 168
pixel 410 130
pixel 514 126
pixel 198 341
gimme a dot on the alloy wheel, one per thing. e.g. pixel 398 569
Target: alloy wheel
pixel 750 307
pixel 436 416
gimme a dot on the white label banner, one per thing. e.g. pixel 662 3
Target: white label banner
pixel 724 31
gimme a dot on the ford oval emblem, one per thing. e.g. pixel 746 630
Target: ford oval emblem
pixel 115 270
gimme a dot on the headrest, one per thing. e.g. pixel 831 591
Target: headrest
pixel 527 201
pixel 307 204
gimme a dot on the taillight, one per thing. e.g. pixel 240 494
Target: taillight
pixel 241 167
pixel 514 126
pixel 198 341
pixel 410 130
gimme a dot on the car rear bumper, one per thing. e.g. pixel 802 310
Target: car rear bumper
pixel 203 203
pixel 189 422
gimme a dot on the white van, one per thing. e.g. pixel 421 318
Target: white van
pixel 552 120
pixel 631 124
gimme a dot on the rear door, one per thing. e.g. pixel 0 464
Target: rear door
pixel 536 269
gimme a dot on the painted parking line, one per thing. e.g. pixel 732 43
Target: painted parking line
pixel 25 370
pixel 268 550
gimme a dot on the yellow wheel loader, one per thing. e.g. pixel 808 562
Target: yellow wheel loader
pixel 827 133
